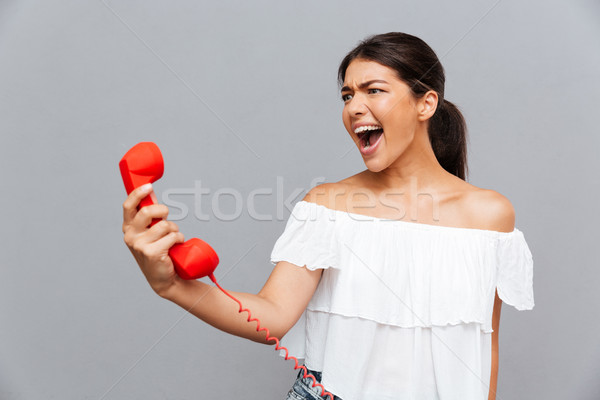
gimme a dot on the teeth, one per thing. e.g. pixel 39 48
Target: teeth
pixel 366 128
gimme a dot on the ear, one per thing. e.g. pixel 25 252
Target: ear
pixel 427 105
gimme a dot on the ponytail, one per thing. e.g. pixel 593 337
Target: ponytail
pixel 448 138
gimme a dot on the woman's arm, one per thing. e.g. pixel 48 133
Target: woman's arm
pixel 497 214
pixel 278 305
pixel 495 327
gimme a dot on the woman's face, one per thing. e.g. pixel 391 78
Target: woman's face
pixel 376 101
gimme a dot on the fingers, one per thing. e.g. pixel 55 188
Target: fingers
pixel 165 243
pixel 158 250
pixel 144 217
pixel 144 241
pixel 159 231
pixel 138 240
pixel 132 201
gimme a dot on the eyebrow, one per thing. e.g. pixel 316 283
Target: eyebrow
pixel 364 84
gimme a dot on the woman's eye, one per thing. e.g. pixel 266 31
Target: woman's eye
pixel 370 90
pixel 345 97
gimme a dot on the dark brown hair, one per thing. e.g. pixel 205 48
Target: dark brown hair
pixel 419 67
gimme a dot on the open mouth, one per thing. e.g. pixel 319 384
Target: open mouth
pixel 368 137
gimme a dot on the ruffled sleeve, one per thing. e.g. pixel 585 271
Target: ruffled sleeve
pixel 515 271
pixel 308 239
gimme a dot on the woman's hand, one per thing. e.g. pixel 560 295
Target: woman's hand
pixel 150 246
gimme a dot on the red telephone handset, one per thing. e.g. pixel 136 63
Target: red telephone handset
pixel 194 259
pixel 142 164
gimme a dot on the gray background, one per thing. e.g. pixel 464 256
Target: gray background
pixel 242 96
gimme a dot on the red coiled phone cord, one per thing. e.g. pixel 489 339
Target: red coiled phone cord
pixel 269 338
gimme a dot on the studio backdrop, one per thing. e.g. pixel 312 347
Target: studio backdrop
pixel 242 99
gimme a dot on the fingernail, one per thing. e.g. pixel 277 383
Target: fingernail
pixel 146 188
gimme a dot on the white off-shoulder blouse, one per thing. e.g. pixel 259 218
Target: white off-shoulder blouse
pixel 403 310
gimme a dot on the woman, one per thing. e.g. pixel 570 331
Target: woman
pixel 398 301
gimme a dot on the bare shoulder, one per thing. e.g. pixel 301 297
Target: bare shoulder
pixel 490 209
pixel 337 195
pixel 326 194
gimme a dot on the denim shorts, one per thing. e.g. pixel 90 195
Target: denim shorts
pixel 303 390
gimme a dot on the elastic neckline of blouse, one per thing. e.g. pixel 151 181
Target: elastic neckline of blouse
pixel 416 225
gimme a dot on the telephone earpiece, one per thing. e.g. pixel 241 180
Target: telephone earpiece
pixel 142 164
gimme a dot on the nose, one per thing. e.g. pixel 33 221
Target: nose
pixel 356 106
